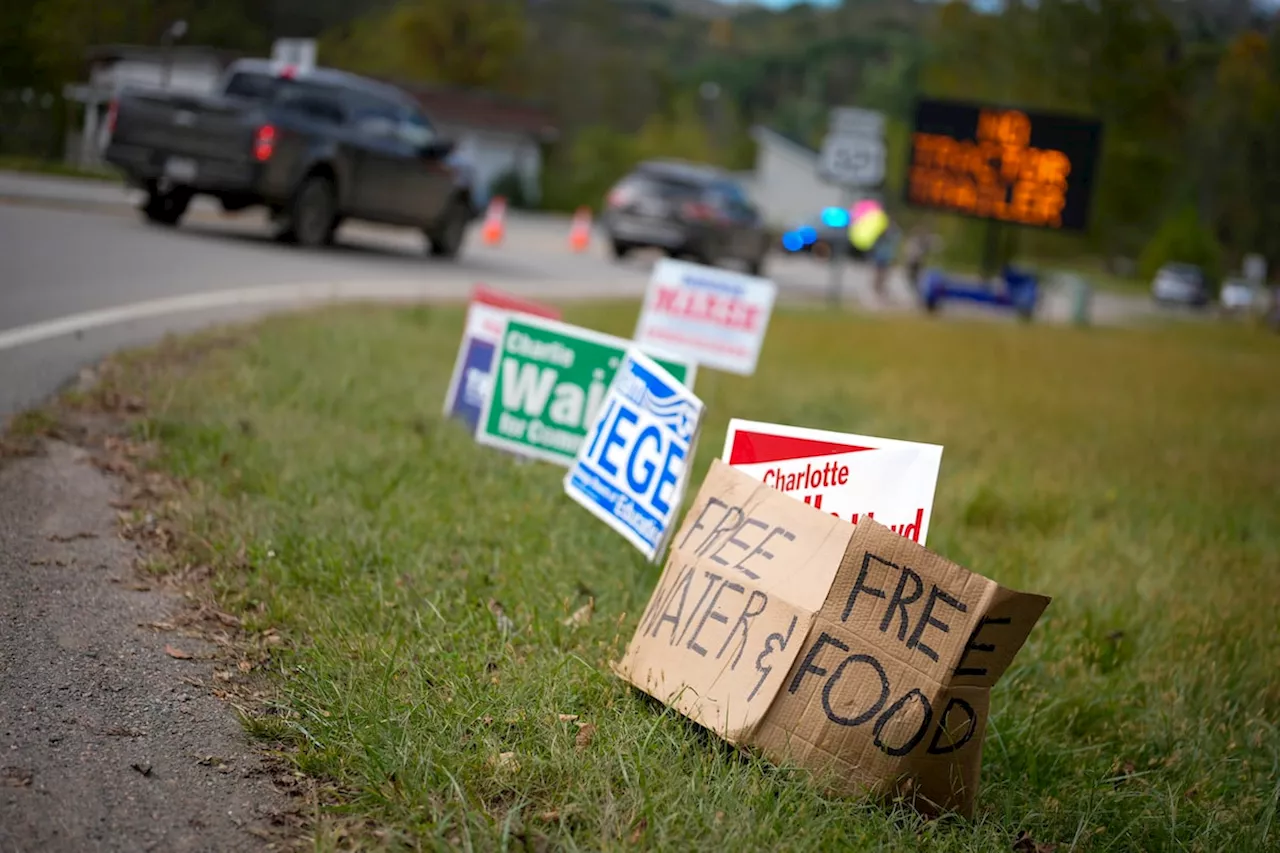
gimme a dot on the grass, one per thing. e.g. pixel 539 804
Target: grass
pixel 54 167
pixel 1131 474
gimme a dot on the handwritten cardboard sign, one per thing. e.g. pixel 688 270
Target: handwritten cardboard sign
pixel 849 650
pixel 711 316
pixel 850 476
pixel 632 469
pixel 472 378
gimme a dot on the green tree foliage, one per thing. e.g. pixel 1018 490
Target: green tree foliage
pixel 1182 237
pixel 470 43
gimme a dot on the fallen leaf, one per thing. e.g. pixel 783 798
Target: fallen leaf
pixel 245 666
pixel 568 718
pixel 638 833
pixel 16 777
pixel 582 615
pixel 139 587
pixel 226 619
pixel 173 652
pixel 507 761
pixel 1024 843
pixel 505 625
pixel 71 537
pixel 142 767
pixel 585 735
pixel 551 816
pixel 222 675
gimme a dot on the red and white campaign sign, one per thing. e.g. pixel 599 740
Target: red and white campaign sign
pixel 847 475
pixel 711 316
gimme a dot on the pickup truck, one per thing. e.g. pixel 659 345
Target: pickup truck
pixel 315 147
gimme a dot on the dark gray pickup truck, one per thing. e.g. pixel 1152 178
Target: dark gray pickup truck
pixel 314 147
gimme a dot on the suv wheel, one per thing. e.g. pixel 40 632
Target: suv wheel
pixel 166 207
pixel 446 239
pixel 620 249
pixel 311 214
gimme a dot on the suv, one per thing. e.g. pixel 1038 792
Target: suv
pixel 314 147
pixel 685 209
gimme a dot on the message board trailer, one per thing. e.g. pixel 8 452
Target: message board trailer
pixel 471 381
pixel 549 380
pixel 849 476
pixel 1003 164
pixel 848 650
pixel 632 469
pixel 714 317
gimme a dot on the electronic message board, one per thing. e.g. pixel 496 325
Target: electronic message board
pixel 1003 164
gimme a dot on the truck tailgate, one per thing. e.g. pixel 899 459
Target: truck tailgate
pixel 205 128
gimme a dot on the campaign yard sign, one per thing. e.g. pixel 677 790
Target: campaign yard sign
pixel 711 316
pixel 849 650
pixel 632 469
pixel 549 380
pixel 849 476
pixel 472 370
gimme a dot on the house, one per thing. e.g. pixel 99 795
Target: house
pixel 494 135
pixel 785 184
pixel 182 68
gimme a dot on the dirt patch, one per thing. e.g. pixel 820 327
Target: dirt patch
pixel 108 739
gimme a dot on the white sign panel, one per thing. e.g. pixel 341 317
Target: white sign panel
pixel 847 475
pixel 710 316
pixel 853 161
pixel 632 469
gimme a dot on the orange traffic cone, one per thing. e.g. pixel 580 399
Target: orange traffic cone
pixel 580 230
pixel 495 221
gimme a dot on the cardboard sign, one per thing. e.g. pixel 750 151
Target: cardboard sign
pixel 549 380
pixel 632 470
pixel 849 476
pixel 849 650
pixel 710 316
pixel 471 381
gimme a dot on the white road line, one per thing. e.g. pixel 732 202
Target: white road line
pixel 286 293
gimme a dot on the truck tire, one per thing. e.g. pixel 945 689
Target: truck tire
pixel 309 218
pixel 165 207
pixel 445 240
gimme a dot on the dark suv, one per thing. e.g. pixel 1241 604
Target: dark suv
pixel 687 210
pixel 313 146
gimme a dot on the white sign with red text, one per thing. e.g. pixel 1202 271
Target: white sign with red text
pixel 712 316
pixel 847 475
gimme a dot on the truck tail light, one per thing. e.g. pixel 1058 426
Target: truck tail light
pixel 698 210
pixel 264 143
pixel 113 113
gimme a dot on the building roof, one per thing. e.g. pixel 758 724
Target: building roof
pixel 152 53
pixel 483 110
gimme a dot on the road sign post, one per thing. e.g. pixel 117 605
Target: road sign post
pixel 852 158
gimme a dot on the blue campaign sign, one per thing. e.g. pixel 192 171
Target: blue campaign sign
pixel 632 468
pixel 477 361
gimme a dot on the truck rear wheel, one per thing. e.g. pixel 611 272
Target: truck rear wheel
pixel 310 216
pixel 165 207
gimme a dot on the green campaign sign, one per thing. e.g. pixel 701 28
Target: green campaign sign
pixel 549 379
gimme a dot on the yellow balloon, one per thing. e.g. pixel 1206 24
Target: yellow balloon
pixel 867 230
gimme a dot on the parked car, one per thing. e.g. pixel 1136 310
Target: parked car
pixel 1181 284
pixel 315 147
pixel 687 210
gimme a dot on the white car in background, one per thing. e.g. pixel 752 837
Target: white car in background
pixel 1181 284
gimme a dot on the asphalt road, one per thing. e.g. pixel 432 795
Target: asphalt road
pixel 81 275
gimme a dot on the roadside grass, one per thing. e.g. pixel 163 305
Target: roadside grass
pixel 38 166
pixel 1131 474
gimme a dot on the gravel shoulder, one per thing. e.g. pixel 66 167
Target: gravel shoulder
pixel 107 740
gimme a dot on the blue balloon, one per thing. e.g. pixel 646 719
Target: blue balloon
pixel 835 217
pixel 792 242
pixel 808 234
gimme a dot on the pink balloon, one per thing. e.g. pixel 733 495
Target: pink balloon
pixel 864 207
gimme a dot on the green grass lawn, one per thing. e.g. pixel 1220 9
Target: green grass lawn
pixel 1132 475
pixel 54 167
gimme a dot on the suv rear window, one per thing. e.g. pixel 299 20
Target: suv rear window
pixel 253 85
pixel 664 186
